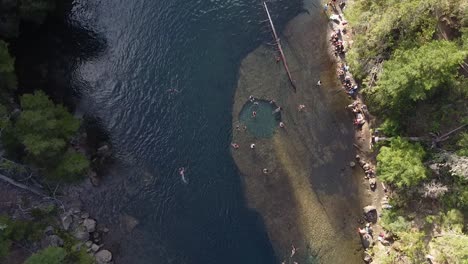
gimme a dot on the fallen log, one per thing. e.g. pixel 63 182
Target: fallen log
pixel 22 186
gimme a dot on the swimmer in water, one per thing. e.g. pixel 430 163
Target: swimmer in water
pixel 265 171
pixel 182 175
pixel 252 146
pixel 234 145
pixel 172 90
pixel 277 110
pixel 293 250
pixel 254 114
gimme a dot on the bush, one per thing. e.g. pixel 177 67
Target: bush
pixel 44 130
pixel 415 75
pixel 71 167
pixel 394 223
pixel 451 248
pixel 50 255
pixel 401 163
pixel 453 221
pixel 7 69
pixel 462 144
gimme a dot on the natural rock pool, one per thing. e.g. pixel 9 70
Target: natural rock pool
pixel 260 117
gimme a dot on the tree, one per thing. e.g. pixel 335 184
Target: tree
pixel 50 255
pixel 71 166
pixel 451 248
pixel 415 75
pixel 7 69
pixel 44 128
pixel 434 190
pixel 462 143
pixel 401 163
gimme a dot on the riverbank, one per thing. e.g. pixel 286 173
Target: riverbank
pixel 407 231
pixel 373 191
pixel 308 196
pixel 39 211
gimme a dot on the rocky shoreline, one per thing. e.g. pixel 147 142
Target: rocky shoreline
pixel 376 195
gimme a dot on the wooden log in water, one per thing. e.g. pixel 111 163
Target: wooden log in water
pixel 280 49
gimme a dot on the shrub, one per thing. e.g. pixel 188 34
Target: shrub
pixel 50 255
pixel 401 163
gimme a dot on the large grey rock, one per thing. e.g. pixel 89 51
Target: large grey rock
pixel 52 241
pixel 90 224
pixel 67 220
pixel 94 247
pixel 81 234
pixel 103 256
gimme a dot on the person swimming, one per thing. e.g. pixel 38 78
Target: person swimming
pixel 277 110
pixel 182 175
pixel 235 145
pixel 254 114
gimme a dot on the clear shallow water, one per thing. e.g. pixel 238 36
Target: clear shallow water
pixel 194 48
pixel 266 119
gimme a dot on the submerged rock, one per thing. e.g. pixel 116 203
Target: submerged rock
pixel 81 233
pixel 103 256
pixel 90 224
pixel 128 222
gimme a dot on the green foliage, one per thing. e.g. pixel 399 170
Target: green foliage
pixel 462 144
pixel 390 127
pixel 401 163
pixel 453 221
pixel 413 246
pixel 71 167
pixel 7 69
pixel 415 75
pixel 451 248
pixel 44 129
pixel 384 26
pixel 397 224
pixel 50 255
pixel 18 230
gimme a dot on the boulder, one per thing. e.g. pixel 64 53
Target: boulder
pixel 52 241
pixel 49 231
pixel 103 256
pixel 90 224
pixel 88 243
pixel 128 222
pixel 67 220
pixel 81 234
pixel 84 215
pixel 370 213
pixel 94 248
pixel 104 151
pixel 93 177
pixel 369 209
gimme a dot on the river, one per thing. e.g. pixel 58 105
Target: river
pixel 163 88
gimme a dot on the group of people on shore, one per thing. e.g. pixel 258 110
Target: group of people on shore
pixel 337 43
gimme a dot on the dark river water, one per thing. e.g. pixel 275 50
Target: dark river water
pixel 195 48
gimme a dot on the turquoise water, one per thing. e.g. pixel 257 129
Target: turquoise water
pixel 163 88
pixel 266 119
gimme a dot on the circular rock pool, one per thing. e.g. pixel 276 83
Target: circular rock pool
pixel 261 117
